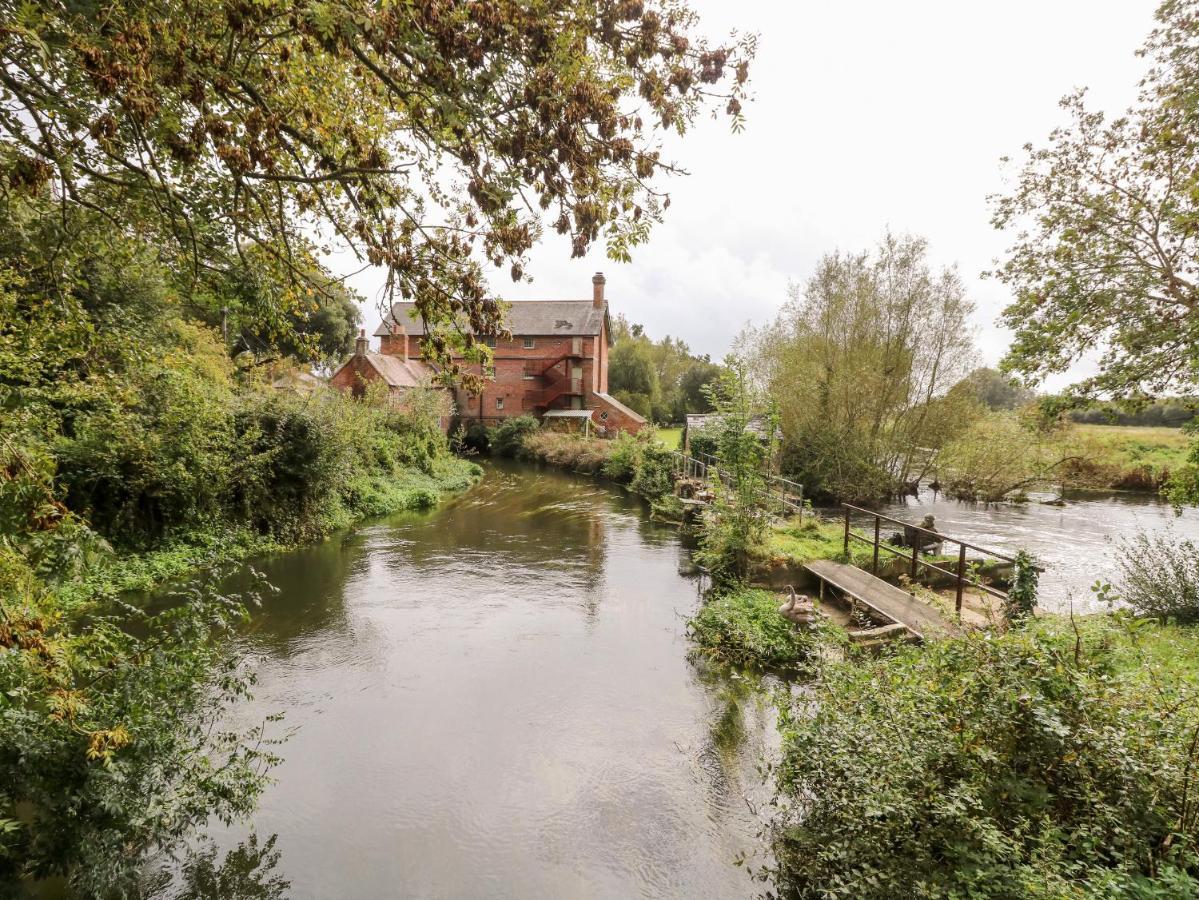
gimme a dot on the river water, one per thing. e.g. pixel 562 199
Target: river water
pixel 495 700
pixel 1075 543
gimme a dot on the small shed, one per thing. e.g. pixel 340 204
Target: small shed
pixel 700 422
pixel 574 420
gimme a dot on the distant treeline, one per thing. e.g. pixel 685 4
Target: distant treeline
pixel 1171 413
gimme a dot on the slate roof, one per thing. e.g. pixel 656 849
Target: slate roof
pixel 526 318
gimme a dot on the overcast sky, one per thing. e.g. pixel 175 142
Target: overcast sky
pixel 866 114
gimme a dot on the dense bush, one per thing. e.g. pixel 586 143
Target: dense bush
pixel 744 627
pixel 1159 576
pixel 508 437
pixel 1037 764
pixel 642 463
pixel 107 740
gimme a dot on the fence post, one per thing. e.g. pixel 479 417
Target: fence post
pixel 957 606
pixel 877 522
pixel 915 554
pixel 847 532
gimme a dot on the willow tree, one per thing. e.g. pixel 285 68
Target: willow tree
pixel 430 137
pixel 1105 216
pixel 859 361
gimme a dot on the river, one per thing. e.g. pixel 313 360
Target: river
pixel 495 699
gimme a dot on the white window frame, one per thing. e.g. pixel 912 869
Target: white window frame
pixel 529 344
pixel 499 403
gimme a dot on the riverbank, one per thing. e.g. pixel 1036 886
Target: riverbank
pixel 374 497
pixel 1052 758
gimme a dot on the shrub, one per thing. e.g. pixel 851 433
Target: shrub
pixel 508 437
pixel 743 627
pixel 1159 576
pixel 570 451
pixel 642 463
pixel 1034 764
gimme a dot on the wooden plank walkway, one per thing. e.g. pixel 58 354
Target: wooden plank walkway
pixel 889 601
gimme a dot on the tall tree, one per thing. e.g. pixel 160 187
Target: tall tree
pixel 1106 256
pixel 428 136
pixel 1105 216
pixel 860 361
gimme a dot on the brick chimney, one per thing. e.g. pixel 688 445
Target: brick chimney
pixel 597 290
pixel 362 344
pixel 399 341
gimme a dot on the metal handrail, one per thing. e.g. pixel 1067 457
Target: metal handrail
pixel 878 515
pixel 959 576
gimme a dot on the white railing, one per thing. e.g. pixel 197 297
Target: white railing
pixel 787 494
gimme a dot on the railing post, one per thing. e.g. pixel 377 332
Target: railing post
pixel 877 523
pixel 957 606
pixel 915 555
pixel 847 532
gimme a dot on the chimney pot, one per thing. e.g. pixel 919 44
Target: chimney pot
pixel 362 344
pixel 597 290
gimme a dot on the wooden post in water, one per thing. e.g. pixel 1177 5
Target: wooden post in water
pixel 847 532
pixel 877 522
pixel 957 606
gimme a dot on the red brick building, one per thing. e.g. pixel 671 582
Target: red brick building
pixel 557 358
pixel 397 372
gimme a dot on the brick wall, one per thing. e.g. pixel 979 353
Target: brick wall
pixel 612 418
pixel 353 376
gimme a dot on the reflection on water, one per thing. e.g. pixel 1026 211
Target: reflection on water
pixel 495 700
pixel 246 872
pixel 1074 542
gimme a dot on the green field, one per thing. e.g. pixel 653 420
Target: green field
pixel 1126 455
pixel 671 437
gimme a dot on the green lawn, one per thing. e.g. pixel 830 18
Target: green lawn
pixel 671 438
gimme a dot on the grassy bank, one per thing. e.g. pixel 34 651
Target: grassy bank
pixel 370 497
pixel 638 462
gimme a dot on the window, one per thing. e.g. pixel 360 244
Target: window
pixel 529 376
pixel 489 340
pixel 499 402
pixel 489 371
pixel 529 343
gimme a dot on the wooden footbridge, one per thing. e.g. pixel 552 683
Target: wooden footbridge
pixel 886 601
pixel 892 603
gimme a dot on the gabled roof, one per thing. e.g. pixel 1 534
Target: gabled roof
pixel 399 372
pixel 525 318
pixel 612 401
pixel 394 371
